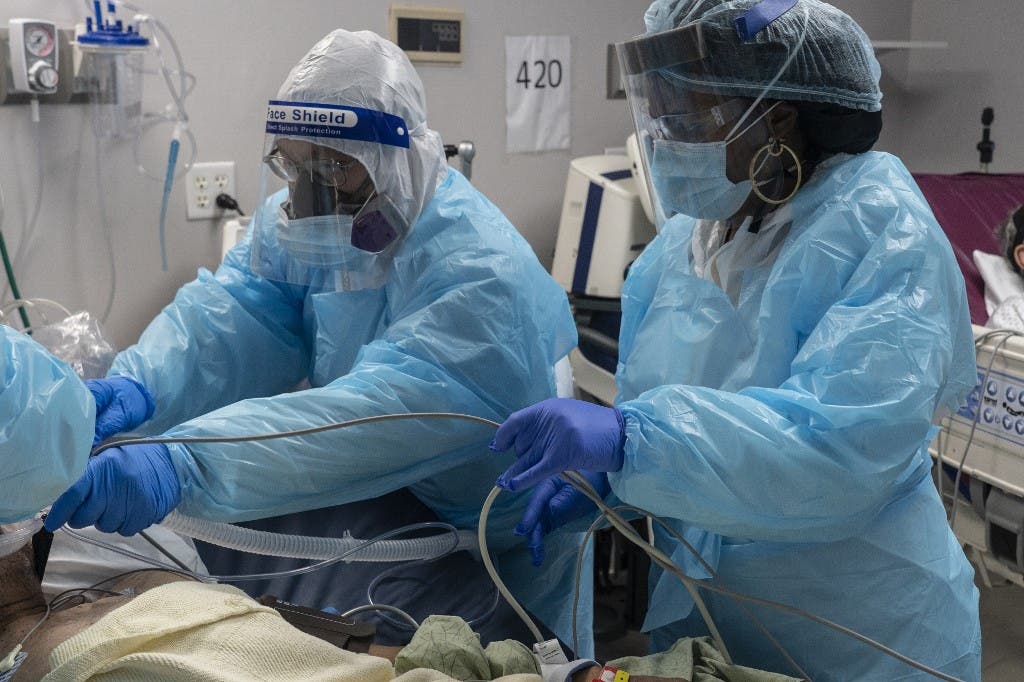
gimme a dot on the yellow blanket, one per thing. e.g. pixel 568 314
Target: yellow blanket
pixel 202 632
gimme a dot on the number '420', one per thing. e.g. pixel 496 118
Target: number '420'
pixel 547 74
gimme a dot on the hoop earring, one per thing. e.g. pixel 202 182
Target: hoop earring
pixel 775 149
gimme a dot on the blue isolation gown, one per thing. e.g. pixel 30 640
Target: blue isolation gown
pixel 46 425
pixel 785 430
pixel 468 322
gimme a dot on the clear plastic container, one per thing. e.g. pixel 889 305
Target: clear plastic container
pixel 16 535
pixel 115 87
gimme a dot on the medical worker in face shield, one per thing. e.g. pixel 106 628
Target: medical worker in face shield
pixel 786 342
pixel 46 423
pixel 385 279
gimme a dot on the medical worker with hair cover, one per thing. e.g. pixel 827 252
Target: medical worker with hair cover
pixel 787 341
pixel 46 425
pixel 385 279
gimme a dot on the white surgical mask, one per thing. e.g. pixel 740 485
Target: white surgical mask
pixel 324 244
pixel 319 241
pixel 691 177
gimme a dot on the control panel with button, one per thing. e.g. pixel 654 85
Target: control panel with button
pixel 999 400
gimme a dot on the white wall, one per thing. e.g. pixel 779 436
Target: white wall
pixel 240 52
pixel 947 89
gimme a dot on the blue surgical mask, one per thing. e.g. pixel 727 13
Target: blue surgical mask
pixel 691 177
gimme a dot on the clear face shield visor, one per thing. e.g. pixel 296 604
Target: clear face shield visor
pixel 320 180
pixel 695 141
pixel 321 218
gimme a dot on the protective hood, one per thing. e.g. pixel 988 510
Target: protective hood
pixel 834 61
pixel 365 71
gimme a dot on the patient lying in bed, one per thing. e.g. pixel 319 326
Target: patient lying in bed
pixel 166 627
pixel 1009 314
pixel 158 625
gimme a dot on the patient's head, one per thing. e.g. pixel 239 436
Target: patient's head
pixel 1013 240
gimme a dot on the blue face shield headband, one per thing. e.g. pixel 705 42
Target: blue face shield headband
pixel 335 122
pixel 758 17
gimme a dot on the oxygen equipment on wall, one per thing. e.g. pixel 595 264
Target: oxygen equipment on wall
pixel 113 52
pixel 102 62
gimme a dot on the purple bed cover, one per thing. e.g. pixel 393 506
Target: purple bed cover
pixel 970 208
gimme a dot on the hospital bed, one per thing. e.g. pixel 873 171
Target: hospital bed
pixel 986 436
pixel 986 439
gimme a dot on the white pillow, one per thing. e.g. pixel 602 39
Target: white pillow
pixel 1001 282
pixel 1009 315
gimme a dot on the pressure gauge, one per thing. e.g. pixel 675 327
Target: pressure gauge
pixel 34 55
pixel 39 41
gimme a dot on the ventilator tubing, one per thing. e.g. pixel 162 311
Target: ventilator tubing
pixel 308 547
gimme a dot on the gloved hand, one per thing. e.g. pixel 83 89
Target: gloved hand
pixel 554 503
pixel 122 404
pixel 556 435
pixel 123 490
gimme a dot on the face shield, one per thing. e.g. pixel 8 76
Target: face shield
pixel 323 220
pixel 704 149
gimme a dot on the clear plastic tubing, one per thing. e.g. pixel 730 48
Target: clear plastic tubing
pixel 308 547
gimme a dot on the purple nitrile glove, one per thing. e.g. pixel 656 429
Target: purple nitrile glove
pixel 554 503
pixel 556 435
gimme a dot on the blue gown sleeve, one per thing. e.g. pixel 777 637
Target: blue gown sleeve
pixel 46 426
pixel 476 331
pixel 815 458
pixel 225 337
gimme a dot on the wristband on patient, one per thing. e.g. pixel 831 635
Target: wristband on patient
pixel 554 666
pixel 563 672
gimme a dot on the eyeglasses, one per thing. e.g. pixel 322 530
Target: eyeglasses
pixel 327 172
pixel 697 127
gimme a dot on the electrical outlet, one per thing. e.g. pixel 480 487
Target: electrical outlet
pixel 203 183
